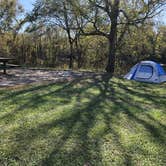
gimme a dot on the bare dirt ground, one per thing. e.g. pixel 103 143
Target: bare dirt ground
pixel 19 77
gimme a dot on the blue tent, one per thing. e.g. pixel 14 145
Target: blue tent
pixel 147 71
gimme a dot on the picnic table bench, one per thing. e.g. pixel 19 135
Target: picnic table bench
pixel 4 64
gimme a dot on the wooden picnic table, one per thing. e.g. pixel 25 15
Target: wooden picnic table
pixel 5 61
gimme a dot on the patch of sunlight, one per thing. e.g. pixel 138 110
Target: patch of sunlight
pixel 70 145
pixel 158 115
pixel 146 160
pixel 136 139
pixel 140 147
pixel 84 100
pixel 93 91
pixel 112 152
pixel 6 108
pixel 8 128
pixel 99 127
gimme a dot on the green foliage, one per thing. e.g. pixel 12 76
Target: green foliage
pixel 95 121
pixel 50 48
pixel 8 11
pixel 161 43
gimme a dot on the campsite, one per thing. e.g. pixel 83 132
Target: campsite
pixel 82 83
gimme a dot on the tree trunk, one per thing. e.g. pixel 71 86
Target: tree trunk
pixel 23 61
pixel 68 30
pixel 111 58
pixel 71 54
pixel 110 68
pixel 79 52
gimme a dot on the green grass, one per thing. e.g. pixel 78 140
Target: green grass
pixel 97 121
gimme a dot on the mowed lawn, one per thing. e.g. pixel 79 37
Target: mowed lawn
pixel 86 122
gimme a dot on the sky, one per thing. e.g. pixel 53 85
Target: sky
pixel 28 5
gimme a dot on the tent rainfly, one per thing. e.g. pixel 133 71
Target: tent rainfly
pixel 147 71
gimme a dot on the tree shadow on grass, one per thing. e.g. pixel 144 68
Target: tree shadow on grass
pixel 84 116
pixel 81 119
pixel 65 91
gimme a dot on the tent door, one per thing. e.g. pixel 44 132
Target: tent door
pixel 144 72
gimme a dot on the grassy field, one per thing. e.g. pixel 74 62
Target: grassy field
pixel 96 121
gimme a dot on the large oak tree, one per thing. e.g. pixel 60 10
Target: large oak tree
pixel 112 18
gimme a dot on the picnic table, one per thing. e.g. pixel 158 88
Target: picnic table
pixel 5 64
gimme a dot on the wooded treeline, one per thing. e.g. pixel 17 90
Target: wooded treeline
pixel 91 34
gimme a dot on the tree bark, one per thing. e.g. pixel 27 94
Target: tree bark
pixel 110 68
pixel 71 54
pixel 68 30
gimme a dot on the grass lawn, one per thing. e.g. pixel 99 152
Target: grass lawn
pixel 86 122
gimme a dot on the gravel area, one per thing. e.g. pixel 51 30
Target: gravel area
pixel 28 76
